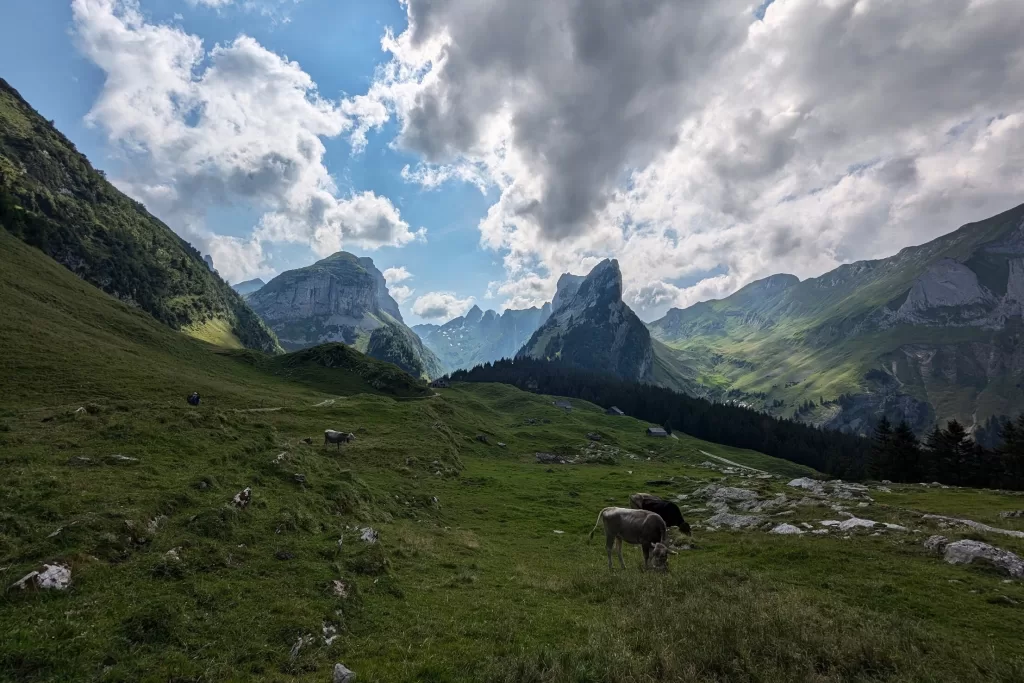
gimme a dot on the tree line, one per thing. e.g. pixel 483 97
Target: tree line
pixel 948 455
pixel 835 453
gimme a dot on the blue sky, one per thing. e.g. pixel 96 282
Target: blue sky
pixel 39 57
pixel 477 149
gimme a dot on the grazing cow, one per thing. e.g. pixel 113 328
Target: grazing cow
pixel 331 436
pixel 638 527
pixel 665 509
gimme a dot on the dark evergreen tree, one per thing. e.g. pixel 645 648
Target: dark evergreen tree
pixel 905 460
pixel 880 458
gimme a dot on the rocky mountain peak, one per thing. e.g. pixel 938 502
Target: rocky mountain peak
pixel 565 290
pixel 474 315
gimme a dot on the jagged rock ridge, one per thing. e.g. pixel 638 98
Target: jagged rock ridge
pixel 482 336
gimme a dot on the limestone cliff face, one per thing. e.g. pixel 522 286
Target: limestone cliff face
pixel 345 299
pixel 592 328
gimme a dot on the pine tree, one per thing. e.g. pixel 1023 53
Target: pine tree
pixel 906 454
pixel 880 460
pixel 1012 454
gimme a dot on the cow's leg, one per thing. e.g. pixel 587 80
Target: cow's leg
pixel 618 546
pixel 647 553
pixel 608 543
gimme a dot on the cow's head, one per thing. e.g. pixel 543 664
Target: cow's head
pixel 351 436
pixel 659 557
pixel 685 528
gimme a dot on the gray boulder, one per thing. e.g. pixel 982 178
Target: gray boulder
pixel 732 521
pixel 970 552
pixel 342 674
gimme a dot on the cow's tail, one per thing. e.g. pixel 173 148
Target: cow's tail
pixel 600 518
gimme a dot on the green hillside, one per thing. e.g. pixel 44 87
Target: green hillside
pixel 53 199
pixel 779 342
pixel 482 570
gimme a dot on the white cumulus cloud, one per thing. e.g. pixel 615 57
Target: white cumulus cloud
pixel 702 146
pixel 394 275
pixel 235 124
pixel 440 306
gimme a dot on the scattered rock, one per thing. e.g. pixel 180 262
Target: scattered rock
pixel 482 438
pixel 593 436
pixel 243 497
pixel 339 588
pixel 80 410
pixel 368 535
pixel 735 521
pixel 856 523
pixel 895 527
pixel 558 531
pixel 969 552
pixel 299 478
pixel 154 524
pixel 501 445
pixel 978 526
pixel 281 457
pixel 820 531
pixel 325 403
pixel 1012 514
pixel 763 505
pixel 342 674
pixel 936 543
pixel 659 482
pixel 301 643
pixel 173 555
pixel 118 459
pixel 330 633
pixel 308 440
pixel 725 494
pixel 55 533
pixel 50 577
pixel 786 529
pixel 284 555
pixel 80 460
pixel 808 484
pixel 550 459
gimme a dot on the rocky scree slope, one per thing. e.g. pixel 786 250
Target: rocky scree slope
pixel 342 298
pixel 927 335
pixel 482 336
pixel 53 199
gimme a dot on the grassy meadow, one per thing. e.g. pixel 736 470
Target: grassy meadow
pixel 469 579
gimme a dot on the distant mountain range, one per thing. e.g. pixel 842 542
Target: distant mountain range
pixel 929 334
pixel 342 298
pixel 482 336
pixel 248 287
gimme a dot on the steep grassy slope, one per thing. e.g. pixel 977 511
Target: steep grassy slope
pixel 852 331
pixel 51 197
pixel 469 580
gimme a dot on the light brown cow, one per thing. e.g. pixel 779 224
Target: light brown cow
pixel 638 527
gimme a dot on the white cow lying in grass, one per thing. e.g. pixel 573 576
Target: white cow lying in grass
pixel 331 436
pixel 638 527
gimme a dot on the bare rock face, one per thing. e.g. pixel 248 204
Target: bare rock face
pixel 946 284
pixel 343 299
pixel 593 328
